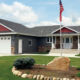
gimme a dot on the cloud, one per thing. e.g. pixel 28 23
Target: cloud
pixel 68 21
pixel 42 23
pixel 18 12
pixel 23 14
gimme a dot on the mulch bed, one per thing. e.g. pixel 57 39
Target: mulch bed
pixel 42 70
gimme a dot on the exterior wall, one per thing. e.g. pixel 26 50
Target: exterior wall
pixel 43 46
pixel 39 44
pixel 25 47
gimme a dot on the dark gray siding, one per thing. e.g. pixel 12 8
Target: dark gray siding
pixel 42 42
pixel 25 47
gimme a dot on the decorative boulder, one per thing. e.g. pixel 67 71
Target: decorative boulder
pixel 60 63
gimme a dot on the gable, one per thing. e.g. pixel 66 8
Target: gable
pixel 4 29
pixel 65 30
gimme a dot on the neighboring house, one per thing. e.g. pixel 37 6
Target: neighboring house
pixel 16 38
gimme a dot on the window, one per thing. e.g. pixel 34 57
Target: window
pixel 49 39
pixel 67 40
pixel 1 38
pixel 29 42
pixel 8 38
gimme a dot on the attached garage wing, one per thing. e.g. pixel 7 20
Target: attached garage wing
pixel 5 45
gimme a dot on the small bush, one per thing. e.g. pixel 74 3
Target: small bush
pixel 78 68
pixel 24 63
pixel 78 74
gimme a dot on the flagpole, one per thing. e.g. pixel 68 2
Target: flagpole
pixel 60 38
pixel 61 10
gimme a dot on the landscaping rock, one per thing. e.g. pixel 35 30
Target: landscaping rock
pixel 20 73
pixel 38 77
pixel 30 76
pixel 60 63
pixel 64 78
pixel 51 78
pixel 54 78
pixel 67 79
pixel 24 75
pixel 58 78
pixel 72 79
pixel 41 77
pixel 35 76
pixel 13 69
pixel 16 72
pixel 45 78
pixel 48 78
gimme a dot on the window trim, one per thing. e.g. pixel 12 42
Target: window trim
pixel 49 40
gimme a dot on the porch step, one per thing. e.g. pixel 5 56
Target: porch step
pixel 64 51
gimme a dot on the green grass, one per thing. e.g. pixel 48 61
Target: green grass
pixel 7 62
pixel 78 54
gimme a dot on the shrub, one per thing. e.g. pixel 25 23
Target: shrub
pixel 78 74
pixel 78 68
pixel 24 63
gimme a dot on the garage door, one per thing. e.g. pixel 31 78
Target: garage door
pixel 5 45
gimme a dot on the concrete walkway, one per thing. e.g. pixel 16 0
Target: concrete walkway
pixel 54 54
pixel 64 54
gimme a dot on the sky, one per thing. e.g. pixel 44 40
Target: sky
pixel 40 12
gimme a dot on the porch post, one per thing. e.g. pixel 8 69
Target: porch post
pixel 52 43
pixel 78 41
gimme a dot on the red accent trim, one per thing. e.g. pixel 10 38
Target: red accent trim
pixel 2 29
pixel 64 30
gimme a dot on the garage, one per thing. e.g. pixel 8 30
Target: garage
pixel 5 45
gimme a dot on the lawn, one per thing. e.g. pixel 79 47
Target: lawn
pixel 7 62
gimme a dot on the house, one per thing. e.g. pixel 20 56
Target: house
pixel 15 38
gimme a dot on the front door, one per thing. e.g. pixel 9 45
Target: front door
pixel 67 42
pixel 20 46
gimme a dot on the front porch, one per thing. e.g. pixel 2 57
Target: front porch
pixel 68 44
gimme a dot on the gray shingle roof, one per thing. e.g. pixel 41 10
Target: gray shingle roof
pixel 77 28
pixel 44 30
pixel 14 26
pixel 36 31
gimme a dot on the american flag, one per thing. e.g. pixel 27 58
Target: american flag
pixel 61 10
